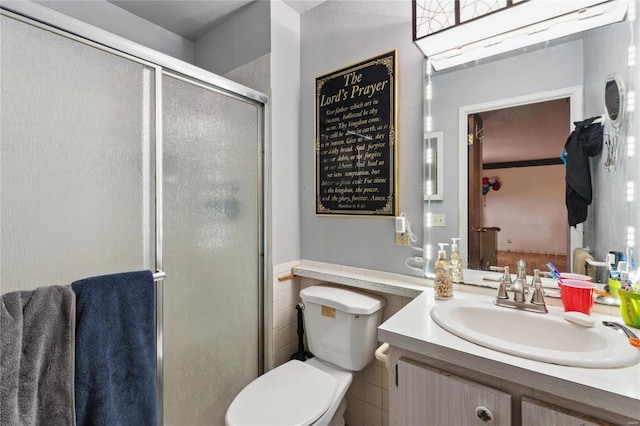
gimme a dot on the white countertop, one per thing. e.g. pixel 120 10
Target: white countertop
pixel 413 329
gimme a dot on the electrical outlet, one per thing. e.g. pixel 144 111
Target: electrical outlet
pixel 402 238
pixel 437 220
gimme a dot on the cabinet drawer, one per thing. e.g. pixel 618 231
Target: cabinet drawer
pixel 537 413
pixel 427 396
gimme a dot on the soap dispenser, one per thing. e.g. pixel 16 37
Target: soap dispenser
pixel 456 263
pixel 443 288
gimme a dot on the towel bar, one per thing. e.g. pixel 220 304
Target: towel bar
pixel 285 277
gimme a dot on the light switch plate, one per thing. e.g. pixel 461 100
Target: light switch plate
pixel 437 219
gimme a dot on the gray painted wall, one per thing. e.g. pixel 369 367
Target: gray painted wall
pixel 334 35
pixel 285 133
pixel 241 38
pixel 609 214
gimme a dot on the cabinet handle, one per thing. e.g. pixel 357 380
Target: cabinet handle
pixel 484 414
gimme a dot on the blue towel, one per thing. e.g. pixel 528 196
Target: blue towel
pixel 115 381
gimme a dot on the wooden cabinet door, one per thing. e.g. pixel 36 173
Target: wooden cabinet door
pixel 536 413
pixel 432 397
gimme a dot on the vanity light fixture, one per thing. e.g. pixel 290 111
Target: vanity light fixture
pixel 514 27
pixel 429 184
pixel 631 107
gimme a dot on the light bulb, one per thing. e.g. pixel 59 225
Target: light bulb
pixel 631 56
pixel 631 236
pixel 631 146
pixel 631 101
pixel 631 11
pixel 428 123
pixel 428 220
pixel 428 252
pixel 630 191
pixel 429 186
pixel 429 67
pixel 429 156
pixel 429 91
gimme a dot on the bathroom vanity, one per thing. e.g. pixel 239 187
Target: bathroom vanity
pixel 481 383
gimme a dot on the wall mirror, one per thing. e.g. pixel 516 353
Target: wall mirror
pixel 506 119
pixel 614 112
pixel 614 99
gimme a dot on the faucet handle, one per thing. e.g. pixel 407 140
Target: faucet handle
pixel 537 298
pixel 536 278
pixel 506 276
pixel 502 290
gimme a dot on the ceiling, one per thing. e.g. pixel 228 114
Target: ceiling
pixel 192 19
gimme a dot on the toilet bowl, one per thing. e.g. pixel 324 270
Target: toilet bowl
pixel 296 393
pixel 341 327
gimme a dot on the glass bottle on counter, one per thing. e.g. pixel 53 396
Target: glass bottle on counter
pixel 442 285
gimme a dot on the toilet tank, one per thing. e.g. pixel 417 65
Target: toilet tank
pixel 342 324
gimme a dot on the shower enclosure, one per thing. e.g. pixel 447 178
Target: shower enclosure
pixel 113 162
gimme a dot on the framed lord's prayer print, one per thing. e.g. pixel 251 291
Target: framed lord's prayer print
pixel 356 142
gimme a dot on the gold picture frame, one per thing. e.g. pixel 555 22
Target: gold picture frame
pixel 356 139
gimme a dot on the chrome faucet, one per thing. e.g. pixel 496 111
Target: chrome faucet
pixel 519 290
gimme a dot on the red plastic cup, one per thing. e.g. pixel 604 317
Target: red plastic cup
pixel 577 295
pixel 570 276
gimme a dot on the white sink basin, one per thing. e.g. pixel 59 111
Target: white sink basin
pixel 540 337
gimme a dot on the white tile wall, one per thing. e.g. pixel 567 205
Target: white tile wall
pixel 285 322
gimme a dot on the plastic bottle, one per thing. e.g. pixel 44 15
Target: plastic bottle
pixel 442 285
pixel 456 263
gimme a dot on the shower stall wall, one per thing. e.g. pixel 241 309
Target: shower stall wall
pixel 112 162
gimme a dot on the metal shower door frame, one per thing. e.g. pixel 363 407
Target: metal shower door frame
pixel 49 20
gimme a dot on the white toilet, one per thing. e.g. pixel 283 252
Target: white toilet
pixel 341 327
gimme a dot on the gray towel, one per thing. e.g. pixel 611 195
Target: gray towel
pixel 37 334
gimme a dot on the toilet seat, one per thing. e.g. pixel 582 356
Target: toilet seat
pixel 292 394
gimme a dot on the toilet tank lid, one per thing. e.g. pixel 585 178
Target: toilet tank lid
pixel 343 299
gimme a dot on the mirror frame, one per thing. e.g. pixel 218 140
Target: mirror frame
pixel 574 93
pixel 617 122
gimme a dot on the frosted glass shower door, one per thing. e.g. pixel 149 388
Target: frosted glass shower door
pixel 76 159
pixel 211 250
